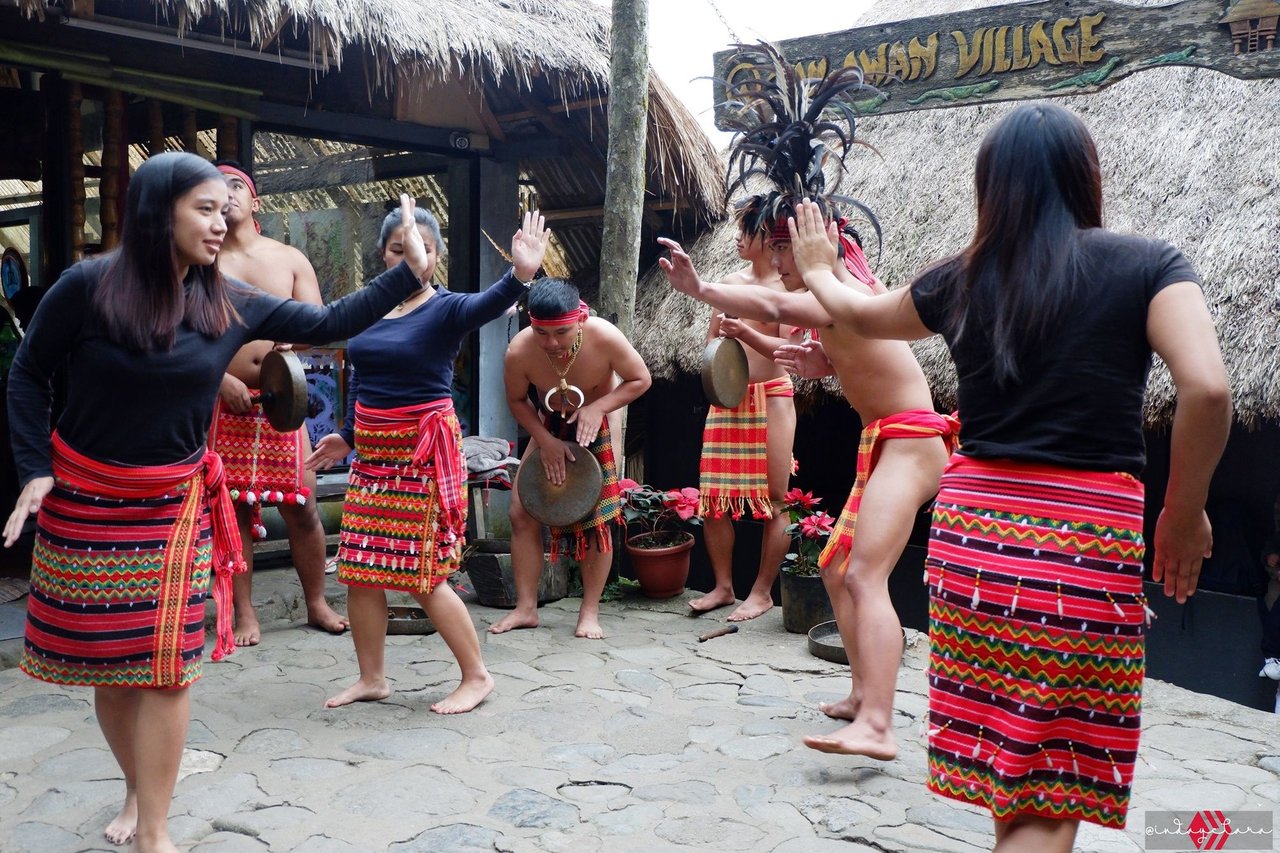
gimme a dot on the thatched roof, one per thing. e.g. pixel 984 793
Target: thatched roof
pixel 1189 155
pixel 516 71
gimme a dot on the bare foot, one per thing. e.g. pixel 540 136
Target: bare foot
pixel 361 691
pixel 715 599
pixel 324 617
pixel 157 844
pixel 588 628
pixel 122 826
pixel 468 695
pixel 248 632
pixel 845 709
pixel 514 619
pixel 856 739
pixel 755 605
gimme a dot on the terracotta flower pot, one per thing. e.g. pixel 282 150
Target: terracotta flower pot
pixel 662 572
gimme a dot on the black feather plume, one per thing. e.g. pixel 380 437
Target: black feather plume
pixel 791 130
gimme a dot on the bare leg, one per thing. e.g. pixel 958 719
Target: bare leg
pixel 306 543
pixel 774 539
pixel 595 573
pixel 526 563
pixel 161 731
pixel 719 535
pixel 1034 834
pixel 842 606
pixel 117 712
pixel 905 476
pixel 368 609
pixel 247 630
pixel 452 620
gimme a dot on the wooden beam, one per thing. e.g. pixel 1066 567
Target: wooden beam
pixel 583 214
pixel 342 170
pixel 554 109
pixel 285 16
pixel 575 142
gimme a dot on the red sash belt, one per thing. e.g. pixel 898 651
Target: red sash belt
pixel 139 482
pixel 437 446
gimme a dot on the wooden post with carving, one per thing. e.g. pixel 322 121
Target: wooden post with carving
pixel 228 138
pixel 1028 50
pixel 155 126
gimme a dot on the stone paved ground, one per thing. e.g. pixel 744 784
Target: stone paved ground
pixel 648 740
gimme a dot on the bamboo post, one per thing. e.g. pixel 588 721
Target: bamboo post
pixel 75 169
pixel 624 171
pixel 112 155
pixel 228 138
pixel 155 126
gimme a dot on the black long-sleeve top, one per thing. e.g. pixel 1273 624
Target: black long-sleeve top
pixel 404 361
pixel 154 408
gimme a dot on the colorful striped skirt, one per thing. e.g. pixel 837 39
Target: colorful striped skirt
pixel 733 474
pixel 121 569
pixel 1036 627
pixel 404 521
pixel 262 465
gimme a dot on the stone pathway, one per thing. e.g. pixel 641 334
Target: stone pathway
pixel 647 740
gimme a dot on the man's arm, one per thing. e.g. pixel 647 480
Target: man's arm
pixel 516 381
pixel 633 380
pixel 742 300
pixel 732 327
pixel 890 315
pixel 306 287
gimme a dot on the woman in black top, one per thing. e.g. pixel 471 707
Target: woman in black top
pixel 1035 561
pixel 133 516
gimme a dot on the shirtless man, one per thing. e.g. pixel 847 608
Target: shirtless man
pixel 564 343
pixel 281 270
pixel 883 382
pixel 746 451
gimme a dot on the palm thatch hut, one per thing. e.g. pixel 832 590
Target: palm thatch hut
pixel 1189 155
pixel 512 81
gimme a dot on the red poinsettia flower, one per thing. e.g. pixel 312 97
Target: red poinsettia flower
pixel 627 484
pixel 802 500
pixel 684 502
pixel 816 526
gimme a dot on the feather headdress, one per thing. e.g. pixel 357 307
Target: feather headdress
pixel 793 131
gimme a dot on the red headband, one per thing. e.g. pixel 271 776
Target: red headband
pixel 582 313
pixel 242 175
pixel 854 260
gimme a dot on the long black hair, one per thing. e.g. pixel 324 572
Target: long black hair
pixel 1038 186
pixel 140 298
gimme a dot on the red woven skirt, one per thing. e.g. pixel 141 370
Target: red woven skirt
pixel 1036 627
pixel 403 522
pixel 112 605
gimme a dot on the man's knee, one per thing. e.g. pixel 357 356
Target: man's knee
pixel 300 517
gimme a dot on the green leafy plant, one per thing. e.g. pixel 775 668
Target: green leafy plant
pixel 809 530
pixel 657 516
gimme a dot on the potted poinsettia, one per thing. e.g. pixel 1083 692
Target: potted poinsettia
pixel 804 598
pixel 657 540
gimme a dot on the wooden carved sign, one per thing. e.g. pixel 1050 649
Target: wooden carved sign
pixel 1029 50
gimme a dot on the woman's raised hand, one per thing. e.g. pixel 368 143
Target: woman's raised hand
pixel 529 245
pixel 415 249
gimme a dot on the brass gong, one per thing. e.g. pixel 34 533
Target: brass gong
pixel 282 390
pixel 724 372
pixel 565 504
